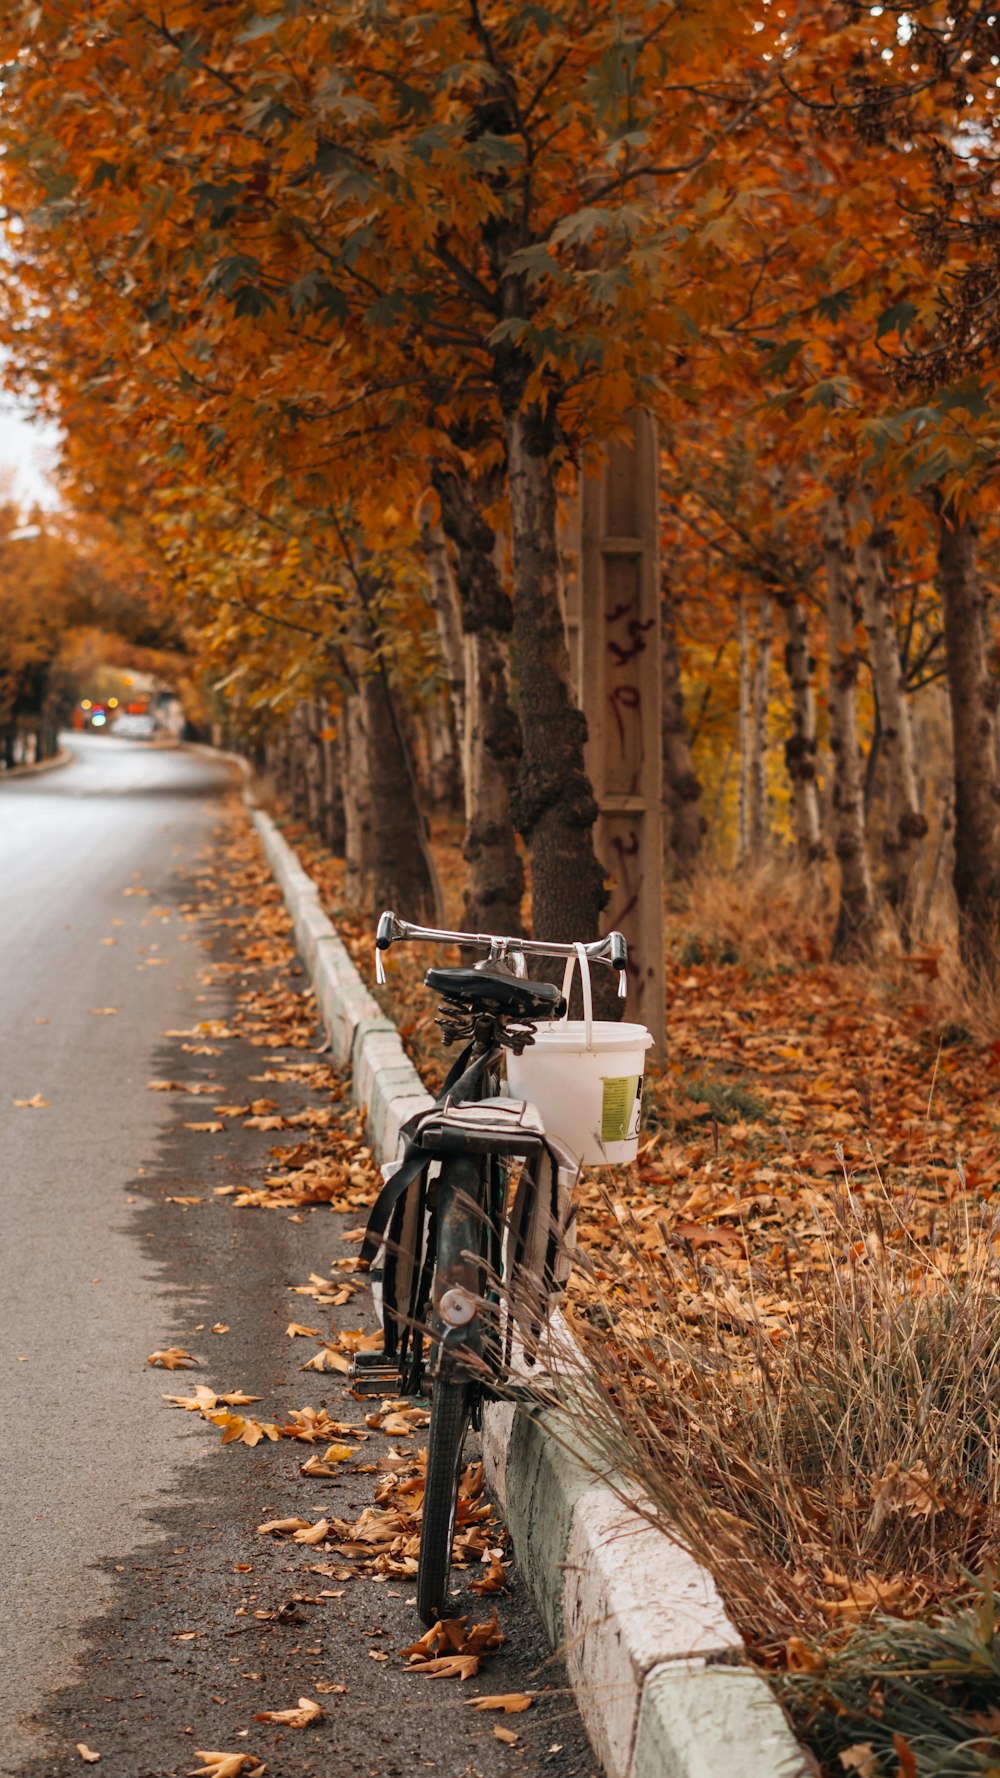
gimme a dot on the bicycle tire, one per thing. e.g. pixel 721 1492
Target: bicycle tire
pixel 451 1406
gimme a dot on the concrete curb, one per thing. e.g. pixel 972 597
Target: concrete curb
pixel 656 1679
pixel 63 758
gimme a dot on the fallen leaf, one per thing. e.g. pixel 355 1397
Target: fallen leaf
pixel 226 1765
pixel 509 1702
pixel 173 1359
pixel 35 1104
pixel 326 1686
pixel 506 1735
pixel 284 1525
pixel 188 1200
pixel 87 1753
pixel 295 1330
pixel 220 1327
pixel 314 1533
pixel 328 1359
pixel 861 1758
pixel 211 1128
pixel 103 1012
pixel 308 1711
pixel 494 1580
pixel 448 1667
pixel 203 1397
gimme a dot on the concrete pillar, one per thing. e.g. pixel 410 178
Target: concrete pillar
pixel 613 627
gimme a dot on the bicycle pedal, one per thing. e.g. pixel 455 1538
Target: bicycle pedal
pixel 374 1379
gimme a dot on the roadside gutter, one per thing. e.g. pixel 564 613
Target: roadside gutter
pixel 654 1660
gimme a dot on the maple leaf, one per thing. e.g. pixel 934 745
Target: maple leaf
pixel 328 1359
pixel 306 1711
pixel 275 1525
pixel 174 1358
pixel 295 1330
pixel 202 1398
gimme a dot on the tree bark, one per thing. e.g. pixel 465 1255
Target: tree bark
pixel 973 697
pixel 682 785
pixel 856 915
pixel 448 615
pixel 405 879
pixel 556 808
pixel 743 799
pixel 800 747
pixel 358 840
pixel 492 741
pixel 759 699
pixel 906 824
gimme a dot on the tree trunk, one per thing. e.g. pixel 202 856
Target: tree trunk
pixel 759 698
pixel 333 787
pixel 973 697
pixel 556 809
pixel 800 748
pixel 492 740
pixel 856 916
pixel 358 842
pixel 905 824
pixel 405 878
pixel 449 624
pixel 743 798
pixel 681 782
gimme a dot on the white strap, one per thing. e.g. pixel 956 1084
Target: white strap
pixel 580 953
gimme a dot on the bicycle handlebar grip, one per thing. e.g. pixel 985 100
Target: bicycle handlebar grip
pixel 619 950
pixel 383 937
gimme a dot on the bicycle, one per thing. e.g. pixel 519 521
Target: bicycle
pixel 467 1249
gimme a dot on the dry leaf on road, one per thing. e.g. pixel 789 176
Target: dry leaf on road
pixel 448 1667
pixel 102 1012
pixel 295 1330
pixel 506 1735
pixel 173 1359
pixel 314 1533
pixel 35 1104
pixel 509 1702
pixel 226 1765
pixel 87 1753
pixel 284 1525
pixel 307 1712
pixel 211 1129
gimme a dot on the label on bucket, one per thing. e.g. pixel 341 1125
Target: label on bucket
pixel 618 1102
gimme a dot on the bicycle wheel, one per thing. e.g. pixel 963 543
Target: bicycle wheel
pixel 450 1408
pixel 460 1268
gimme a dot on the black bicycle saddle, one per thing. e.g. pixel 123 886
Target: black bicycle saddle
pixel 488 990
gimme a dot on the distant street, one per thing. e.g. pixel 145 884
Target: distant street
pixel 79 1311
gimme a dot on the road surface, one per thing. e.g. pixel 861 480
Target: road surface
pixel 137 1602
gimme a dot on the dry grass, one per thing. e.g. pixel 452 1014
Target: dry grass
pixel 826 1438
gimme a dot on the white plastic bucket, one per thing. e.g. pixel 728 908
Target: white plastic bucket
pixel 585 1076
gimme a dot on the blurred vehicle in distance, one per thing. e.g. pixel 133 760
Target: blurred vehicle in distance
pixel 139 726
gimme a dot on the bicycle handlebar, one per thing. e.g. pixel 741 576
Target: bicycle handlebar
pixel 611 950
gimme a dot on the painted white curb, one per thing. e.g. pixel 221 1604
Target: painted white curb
pixel 651 1653
pixel 64 757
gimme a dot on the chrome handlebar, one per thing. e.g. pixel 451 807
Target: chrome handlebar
pixel 611 950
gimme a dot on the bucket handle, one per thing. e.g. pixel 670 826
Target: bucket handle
pixel 580 951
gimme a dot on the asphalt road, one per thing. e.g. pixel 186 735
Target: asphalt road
pixel 137 1602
